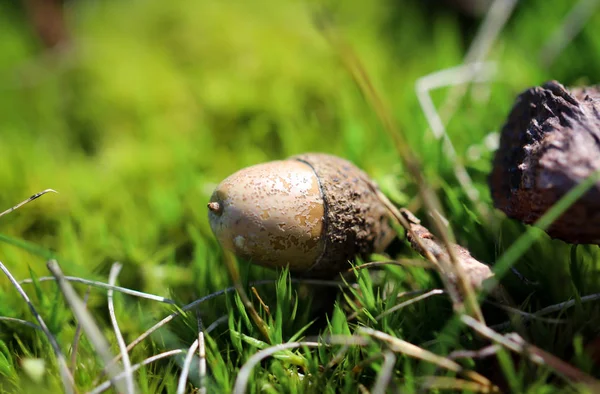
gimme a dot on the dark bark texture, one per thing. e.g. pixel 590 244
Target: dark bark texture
pixel 549 144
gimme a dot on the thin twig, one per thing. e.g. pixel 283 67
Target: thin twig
pixel 106 385
pixel 112 278
pixel 526 315
pixel 567 304
pixel 20 321
pixel 89 326
pixel 549 309
pixel 77 335
pixel 95 283
pixel 217 323
pixel 67 378
pixel 185 370
pixel 35 196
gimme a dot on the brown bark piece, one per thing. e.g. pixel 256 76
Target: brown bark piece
pixel 424 243
pixel 549 144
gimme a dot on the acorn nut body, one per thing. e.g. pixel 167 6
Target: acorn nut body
pixel 312 212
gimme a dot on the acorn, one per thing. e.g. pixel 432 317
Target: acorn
pixel 313 213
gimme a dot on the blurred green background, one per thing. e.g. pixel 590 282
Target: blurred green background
pixel 134 110
pixel 145 105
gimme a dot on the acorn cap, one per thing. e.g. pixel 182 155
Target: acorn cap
pixel 549 144
pixel 356 222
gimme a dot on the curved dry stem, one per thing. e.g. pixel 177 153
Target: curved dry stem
pixel 112 278
pixel 106 385
pixel 102 285
pixel 385 375
pixel 34 197
pixel 77 335
pixel 20 321
pixel 185 370
pixel 85 318
pixel 67 378
pixel 411 350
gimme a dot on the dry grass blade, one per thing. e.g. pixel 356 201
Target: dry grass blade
pixel 356 313
pixel 183 309
pixel 77 335
pixel 400 346
pixel 449 383
pixel 112 278
pixel 106 385
pixel 67 378
pixel 34 197
pixel 477 354
pixel 412 165
pixel 199 301
pixel 88 324
pixel 471 72
pixel 201 355
pixel 494 21
pixel 185 370
pixel 385 375
pixel 566 32
pixel 201 363
pixel 409 302
pixel 518 345
pixel 399 263
pixel 102 285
